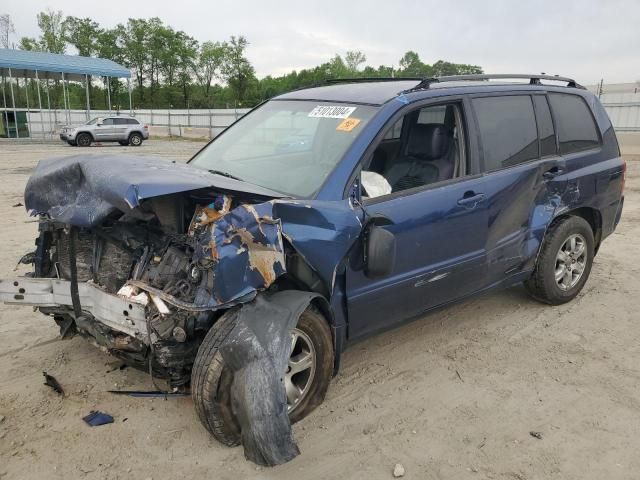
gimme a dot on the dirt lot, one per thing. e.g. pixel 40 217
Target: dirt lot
pixel 453 395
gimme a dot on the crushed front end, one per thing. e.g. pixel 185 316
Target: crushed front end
pixel 147 283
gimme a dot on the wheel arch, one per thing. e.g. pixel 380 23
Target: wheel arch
pixel 88 132
pixel 592 216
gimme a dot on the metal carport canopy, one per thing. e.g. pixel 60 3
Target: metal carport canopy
pixel 24 64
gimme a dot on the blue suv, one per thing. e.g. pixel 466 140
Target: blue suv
pixel 324 215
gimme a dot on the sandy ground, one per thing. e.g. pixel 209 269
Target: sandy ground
pixel 452 395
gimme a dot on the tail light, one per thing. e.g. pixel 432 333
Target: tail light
pixel 146 127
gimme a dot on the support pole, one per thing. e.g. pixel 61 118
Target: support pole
pixel 64 99
pixel 86 85
pixel 49 107
pixel 130 102
pixel 4 102
pixel 109 94
pixel 13 103
pixel 40 104
pixel 26 89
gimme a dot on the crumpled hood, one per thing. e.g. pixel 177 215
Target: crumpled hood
pixel 83 190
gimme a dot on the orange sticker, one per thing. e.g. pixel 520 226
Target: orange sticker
pixel 348 124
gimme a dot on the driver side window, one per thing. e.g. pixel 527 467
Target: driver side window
pixel 422 148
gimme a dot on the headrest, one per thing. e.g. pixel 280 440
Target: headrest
pixel 429 140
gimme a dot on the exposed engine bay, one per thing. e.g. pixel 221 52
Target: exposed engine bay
pixel 171 264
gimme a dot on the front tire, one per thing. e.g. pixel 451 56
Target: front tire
pixel 84 139
pixel 564 262
pixel 211 380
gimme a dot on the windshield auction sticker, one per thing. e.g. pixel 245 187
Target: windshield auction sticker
pixel 348 124
pixel 331 111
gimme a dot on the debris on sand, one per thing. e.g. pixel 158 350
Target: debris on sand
pixel 398 470
pixel 537 435
pixel 96 418
pixel 50 381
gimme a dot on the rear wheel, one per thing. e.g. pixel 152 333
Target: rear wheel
pixel 564 263
pixel 84 139
pixel 306 379
pixel 135 139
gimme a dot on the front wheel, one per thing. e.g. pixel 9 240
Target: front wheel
pixel 84 139
pixel 564 262
pixel 306 379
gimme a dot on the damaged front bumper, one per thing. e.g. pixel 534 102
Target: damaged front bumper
pixel 113 311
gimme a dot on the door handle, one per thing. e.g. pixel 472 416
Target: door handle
pixel 471 199
pixel 553 172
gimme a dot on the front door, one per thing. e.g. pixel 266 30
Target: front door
pixel 440 251
pixel 436 208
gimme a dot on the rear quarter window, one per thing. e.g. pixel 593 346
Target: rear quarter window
pixel 574 123
pixel 508 131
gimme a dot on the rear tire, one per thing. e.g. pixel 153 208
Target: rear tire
pixel 84 139
pixel 564 262
pixel 135 139
pixel 211 381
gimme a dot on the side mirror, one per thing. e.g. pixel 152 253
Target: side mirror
pixel 379 252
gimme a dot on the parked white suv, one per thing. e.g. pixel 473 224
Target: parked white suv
pixel 122 129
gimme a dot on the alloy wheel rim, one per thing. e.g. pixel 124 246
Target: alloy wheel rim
pixel 571 262
pixel 301 369
pixel 135 140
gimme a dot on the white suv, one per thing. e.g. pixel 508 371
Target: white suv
pixel 121 129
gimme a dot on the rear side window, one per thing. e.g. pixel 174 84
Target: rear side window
pixel 545 126
pixel 121 121
pixel 132 121
pixel 574 122
pixel 507 129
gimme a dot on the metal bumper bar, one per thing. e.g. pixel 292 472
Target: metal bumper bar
pixel 115 312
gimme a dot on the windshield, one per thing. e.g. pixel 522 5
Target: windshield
pixel 286 146
pixel 92 121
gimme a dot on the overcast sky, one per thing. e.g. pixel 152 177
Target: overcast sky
pixel 585 39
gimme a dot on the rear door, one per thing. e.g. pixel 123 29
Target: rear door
pixel 121 129
pixel 525 174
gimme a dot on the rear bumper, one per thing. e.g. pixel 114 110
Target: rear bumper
pixel 117 313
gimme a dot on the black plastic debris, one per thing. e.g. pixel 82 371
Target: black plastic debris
pixel 50 381
pixel 537 435
pixel 150 394
pixel 15 205
pixel 257 350
pixel 96 418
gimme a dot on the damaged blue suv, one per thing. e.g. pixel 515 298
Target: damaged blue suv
pixel 323 216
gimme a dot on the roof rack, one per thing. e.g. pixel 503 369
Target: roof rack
pixel 372 79
pixel 425 83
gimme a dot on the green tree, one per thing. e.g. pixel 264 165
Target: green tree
pixel 208 65
pixel 6 29
pixel 353 59
pixel 83 34
pixel 54 31
pixel 236 68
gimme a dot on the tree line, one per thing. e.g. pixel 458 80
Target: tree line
pixel 172 69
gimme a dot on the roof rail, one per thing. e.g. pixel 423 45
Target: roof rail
pixel 372 79
pixel 425 83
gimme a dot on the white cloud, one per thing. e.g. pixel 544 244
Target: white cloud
pixel 586 39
